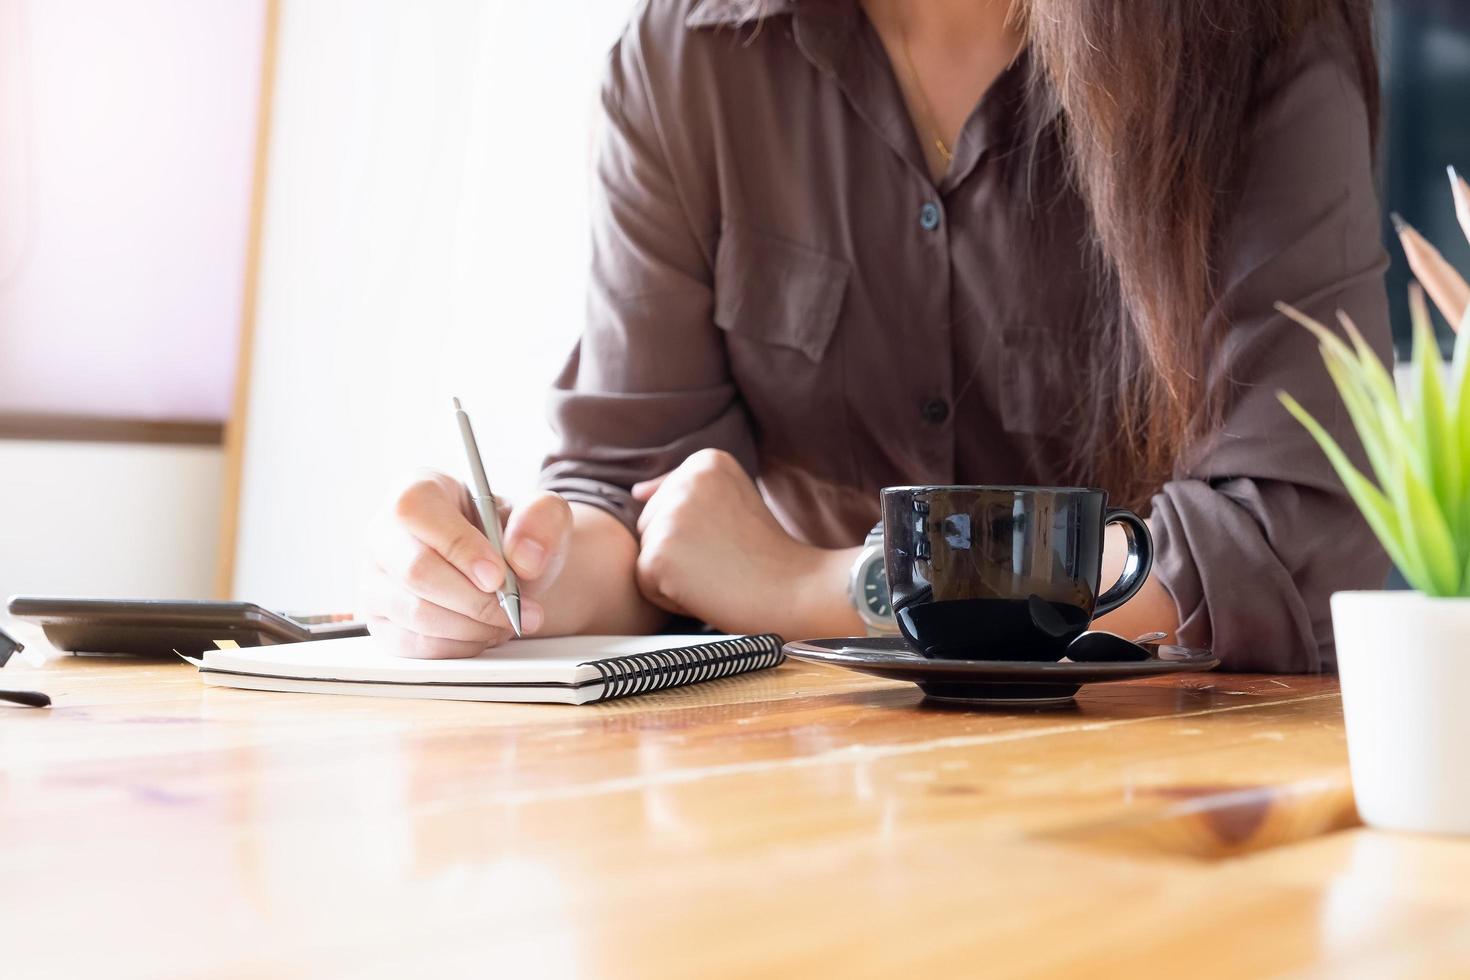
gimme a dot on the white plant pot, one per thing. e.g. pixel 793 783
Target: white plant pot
pixel 1404 660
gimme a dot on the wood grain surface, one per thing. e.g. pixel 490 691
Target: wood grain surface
pixel 799 822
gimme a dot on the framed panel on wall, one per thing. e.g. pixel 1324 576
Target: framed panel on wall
pixel 127 136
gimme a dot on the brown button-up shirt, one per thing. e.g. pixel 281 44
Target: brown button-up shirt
pixel 776 274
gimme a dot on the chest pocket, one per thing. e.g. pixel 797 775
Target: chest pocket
pixel 779 304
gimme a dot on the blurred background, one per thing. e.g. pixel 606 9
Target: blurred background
pixel 392 195
pixel 249 249
pixel 1424 47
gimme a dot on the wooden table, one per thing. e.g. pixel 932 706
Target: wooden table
pixel 799 822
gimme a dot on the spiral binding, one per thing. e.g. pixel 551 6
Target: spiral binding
pixel 643 672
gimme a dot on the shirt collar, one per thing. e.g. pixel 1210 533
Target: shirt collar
pixel 827 33
pixel 822 28
pixel 733 13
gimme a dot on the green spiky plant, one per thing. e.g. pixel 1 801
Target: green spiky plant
pixel 1417 442
pixel 1418 447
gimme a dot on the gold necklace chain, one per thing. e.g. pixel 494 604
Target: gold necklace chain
pixel 931 120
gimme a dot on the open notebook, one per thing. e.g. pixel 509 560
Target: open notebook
pixel 565 670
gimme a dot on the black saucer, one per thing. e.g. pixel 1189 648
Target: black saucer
pixel 991 682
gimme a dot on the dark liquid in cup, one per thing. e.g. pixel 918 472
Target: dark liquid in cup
pixel 1032 628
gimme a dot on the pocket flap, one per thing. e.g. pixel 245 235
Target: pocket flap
pixel 777 292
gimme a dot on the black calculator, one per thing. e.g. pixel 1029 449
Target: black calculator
pixel 163 627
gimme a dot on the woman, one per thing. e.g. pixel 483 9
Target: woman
pixel 844 245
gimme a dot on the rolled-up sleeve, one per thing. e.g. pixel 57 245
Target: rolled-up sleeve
pixel 649 381
pixel 1255 532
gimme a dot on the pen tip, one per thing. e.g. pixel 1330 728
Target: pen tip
pixel 456 406
pixel 512 606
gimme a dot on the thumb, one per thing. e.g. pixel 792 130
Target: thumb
pixel 644 491
pixel 537 536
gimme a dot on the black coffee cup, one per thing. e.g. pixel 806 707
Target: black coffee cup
pixel 1003 573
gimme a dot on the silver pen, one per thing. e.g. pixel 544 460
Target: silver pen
pixel 509 593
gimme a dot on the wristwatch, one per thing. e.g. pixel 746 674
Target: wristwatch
pixel 868 587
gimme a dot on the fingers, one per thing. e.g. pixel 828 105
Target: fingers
pixel 698 475
pixel 406 643
pixel 650 512
pixel 645 489
pixel 425 573
pixel 433 513
pixel 656 502
pixel 385 598
pixel 537 536
pixel 651 578
pixel 703 500
pixel 414 627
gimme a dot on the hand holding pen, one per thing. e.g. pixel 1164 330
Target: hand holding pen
pixel 434 578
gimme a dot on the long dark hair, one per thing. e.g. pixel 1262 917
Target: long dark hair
pixel 1154 95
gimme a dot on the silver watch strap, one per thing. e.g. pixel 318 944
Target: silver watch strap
pixel 875 536
pixel 874 540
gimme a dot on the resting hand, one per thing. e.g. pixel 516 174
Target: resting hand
pixel 712 549
pixel 429 579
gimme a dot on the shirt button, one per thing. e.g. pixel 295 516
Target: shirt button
pixel 935 410
pixel 929 216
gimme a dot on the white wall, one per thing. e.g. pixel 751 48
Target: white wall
pixel 425 236
pixel 108 520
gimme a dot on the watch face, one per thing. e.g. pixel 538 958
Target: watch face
pixel 875 589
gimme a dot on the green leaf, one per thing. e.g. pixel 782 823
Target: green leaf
pixel 1460 386
pixel 1375 374
pixel 1371 398
pixel 1376 509
pixel 1426 535
pixel 1334 348
pixel 1366 421
pixel 1459 362
pixel 1324 336
pixel 1379 381
pixel 1434 441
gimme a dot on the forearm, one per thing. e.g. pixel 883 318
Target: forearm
pixel 823 602
pixel 597 590
pixel 800 593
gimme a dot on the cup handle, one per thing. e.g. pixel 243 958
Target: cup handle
pixel 1135 567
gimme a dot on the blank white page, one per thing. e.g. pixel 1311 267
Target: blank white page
pixel 554 660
